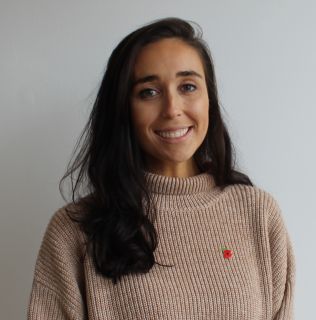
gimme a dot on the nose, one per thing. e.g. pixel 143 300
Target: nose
pixel 171 105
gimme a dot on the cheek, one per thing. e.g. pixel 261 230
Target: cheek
pixel 200 110
pixel 142 118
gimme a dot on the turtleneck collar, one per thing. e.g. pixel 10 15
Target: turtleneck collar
pixel 159 184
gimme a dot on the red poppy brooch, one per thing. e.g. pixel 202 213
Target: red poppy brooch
pixel 227 253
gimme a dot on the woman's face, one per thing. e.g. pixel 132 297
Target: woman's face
pixel 169 106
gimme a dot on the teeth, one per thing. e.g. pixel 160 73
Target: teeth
pixel 173 134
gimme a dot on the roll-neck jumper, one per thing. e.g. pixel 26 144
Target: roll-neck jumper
pixel 230 253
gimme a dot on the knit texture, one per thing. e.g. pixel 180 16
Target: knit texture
pixel 253 281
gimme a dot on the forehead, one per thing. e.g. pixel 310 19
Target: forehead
pixel 167 55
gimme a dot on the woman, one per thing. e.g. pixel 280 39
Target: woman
pixel 167 228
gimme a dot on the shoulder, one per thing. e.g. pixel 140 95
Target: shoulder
pixel 253 193
pixel 255 197
pixel 62 222
pixel 263 207
pixel 63 234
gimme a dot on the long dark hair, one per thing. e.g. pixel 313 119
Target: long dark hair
pixel 108 165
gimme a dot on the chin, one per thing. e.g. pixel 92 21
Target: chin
pixel 178 160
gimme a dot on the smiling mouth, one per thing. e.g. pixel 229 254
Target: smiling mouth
pixel 174 133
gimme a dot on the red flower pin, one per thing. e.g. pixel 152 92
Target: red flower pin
pixel 227 253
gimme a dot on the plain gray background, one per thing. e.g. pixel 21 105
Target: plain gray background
pixel 53 55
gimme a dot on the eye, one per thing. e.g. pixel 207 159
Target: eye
pixel 148 93
pixel 188 87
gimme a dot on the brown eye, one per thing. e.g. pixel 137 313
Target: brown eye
pixel 148 93
pixel 188 87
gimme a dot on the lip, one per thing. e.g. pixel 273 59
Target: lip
pixel 176 140
pixel 173 128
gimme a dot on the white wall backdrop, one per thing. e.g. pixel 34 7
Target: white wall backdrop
pixel 52 58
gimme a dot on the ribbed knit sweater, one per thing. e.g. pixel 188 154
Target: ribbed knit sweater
pixel 232 257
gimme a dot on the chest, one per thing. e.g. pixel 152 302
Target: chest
pixel 202 283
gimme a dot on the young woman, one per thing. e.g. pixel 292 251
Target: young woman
pixel 166 228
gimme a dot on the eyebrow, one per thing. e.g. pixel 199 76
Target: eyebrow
pixel 153 77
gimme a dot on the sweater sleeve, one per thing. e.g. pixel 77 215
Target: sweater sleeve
pixel 282 264
pixel 57 290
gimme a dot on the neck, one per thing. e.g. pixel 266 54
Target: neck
pixel 180 170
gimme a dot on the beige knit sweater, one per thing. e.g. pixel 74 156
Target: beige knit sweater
pixel 231 252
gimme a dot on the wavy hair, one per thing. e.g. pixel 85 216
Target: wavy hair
pixel 107 164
